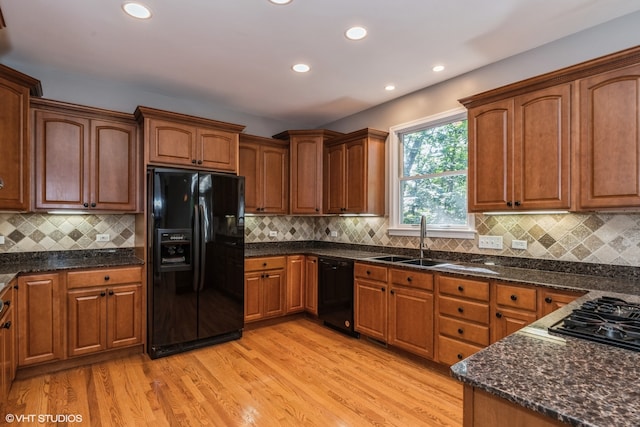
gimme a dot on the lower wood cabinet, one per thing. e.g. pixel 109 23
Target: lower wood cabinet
pixel 549 300
pixel 8 359
pixel 40 332
pixel 104 310
pixel 296 270
pixel 512 308
pixel 311 285
pixel 264 288
pixel 370 300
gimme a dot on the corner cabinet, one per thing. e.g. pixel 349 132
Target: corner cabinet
pixel 264 162
pixel 305 171
pixel 354 173
pixel 520 152
pixel 173 139
pixel 15 151
pixel 86 158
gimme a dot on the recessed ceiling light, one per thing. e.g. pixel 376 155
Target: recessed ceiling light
pixel 356 33
pixel 137 10
pixel 280 1
pixel 390 87
pixel 301 68
pixel 438 68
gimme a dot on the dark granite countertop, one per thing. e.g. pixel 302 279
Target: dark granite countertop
pixel 12 264
pixel 573 380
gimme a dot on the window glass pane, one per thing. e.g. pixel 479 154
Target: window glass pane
pixel 443 199
pixel 435 150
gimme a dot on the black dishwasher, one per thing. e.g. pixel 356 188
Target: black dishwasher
pixel 335 294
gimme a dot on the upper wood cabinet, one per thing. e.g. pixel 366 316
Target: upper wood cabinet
pixel 173 139
pixel 264 162
pixel 305 172
pixel 15 152
pixel 610 139
pixel 86 158
pixel 520 152
pixel 354 173
pixel 567 140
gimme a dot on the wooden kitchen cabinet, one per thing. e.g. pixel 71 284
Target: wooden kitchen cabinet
pixel 296 269
pixel 173 139
pixel 520 152
pixel 15 149
pixel 411 305
pixel 264 162
pixel 104 309
pixel 353 173
pixel 610 139
pixel 85 158
pixel 265 288
pixel 8 360
pixel 311 285
pixel 463 317
pixel 513 307
pixel 371 301
pixel 40 332
pixel 305 172
pixel 549 300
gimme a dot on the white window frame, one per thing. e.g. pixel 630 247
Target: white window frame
pixel 395 227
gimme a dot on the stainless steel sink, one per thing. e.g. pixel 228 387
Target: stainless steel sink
pixel 424 262
pixel 391 258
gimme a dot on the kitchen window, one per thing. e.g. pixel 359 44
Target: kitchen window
pixel 428 176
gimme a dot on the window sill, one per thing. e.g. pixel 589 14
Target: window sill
pixel 447 234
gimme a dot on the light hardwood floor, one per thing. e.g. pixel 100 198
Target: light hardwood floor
pixel 296 373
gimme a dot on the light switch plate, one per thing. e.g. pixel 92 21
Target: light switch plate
pixel 273 234
pixel 334 234
pixel 490 242
pixel 519 244
pixel 102 237
pixel 1 240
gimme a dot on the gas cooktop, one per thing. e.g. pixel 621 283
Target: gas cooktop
pixel 606 320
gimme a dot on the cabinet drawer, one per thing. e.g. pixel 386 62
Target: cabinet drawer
pixel 412 278
pixel 111 276
pixel 258 264
pixel 451 351
pixel 371 272
pixel 459 329
pixel 516 296
pixel 463 309
pixel 466 288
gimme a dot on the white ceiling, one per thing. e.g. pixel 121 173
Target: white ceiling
pixel 238 53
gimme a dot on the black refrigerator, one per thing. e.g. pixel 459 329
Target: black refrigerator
pixel 196 255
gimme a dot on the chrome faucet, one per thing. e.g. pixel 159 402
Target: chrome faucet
pixel 423 233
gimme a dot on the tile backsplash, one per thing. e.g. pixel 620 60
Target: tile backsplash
pixel 34 232
pixel 601 238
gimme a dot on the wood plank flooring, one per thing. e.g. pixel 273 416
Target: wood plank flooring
pixel 296 373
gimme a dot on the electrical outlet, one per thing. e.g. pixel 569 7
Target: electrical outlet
pixel 334 234
pixel 519 244
pixel 102 237
pixel 273 234
pixel 490 242
pixel 1 240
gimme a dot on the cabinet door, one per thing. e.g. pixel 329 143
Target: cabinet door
pixel 217 150
pixel 124 315
pixel 114 166
pixel 370 309
pixel 411 320
pixel 490 144
pixel 171 143
pixel 334 179
pixel 86 321
pixel 296 267
pixel 355 185
pixel 311 291
pixel 306 175
pixel 14 147
pixel 39 319
pixel 506 322
pixel 552 299
pixel 7 344
pixel 273 293
pixel 252 296
pixel 610 139
pixel 248 167
pixel 62 161
pixel 542 149
pixel 274 170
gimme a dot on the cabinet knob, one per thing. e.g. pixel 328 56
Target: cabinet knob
pixel 409 279
pixel 460 356
pixel 548 300
pixel 460 310
pixel 193 161
pixel 7 303
pixel 368 272
pixel 499 315
pixel 509 203
pixel 518 203
pixel 317 210
pixel 461 288
pixel 106 278
pixel 111 292
pixel 514 297
pixel 382 289
pixel 103 293
pixel 199 162
pixel 93 205
pixel 7 325
pixel 86 205
pixel 392 292
pixel 460 331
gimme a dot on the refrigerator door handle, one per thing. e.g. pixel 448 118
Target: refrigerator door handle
pixel 197 228
pixel 203 248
